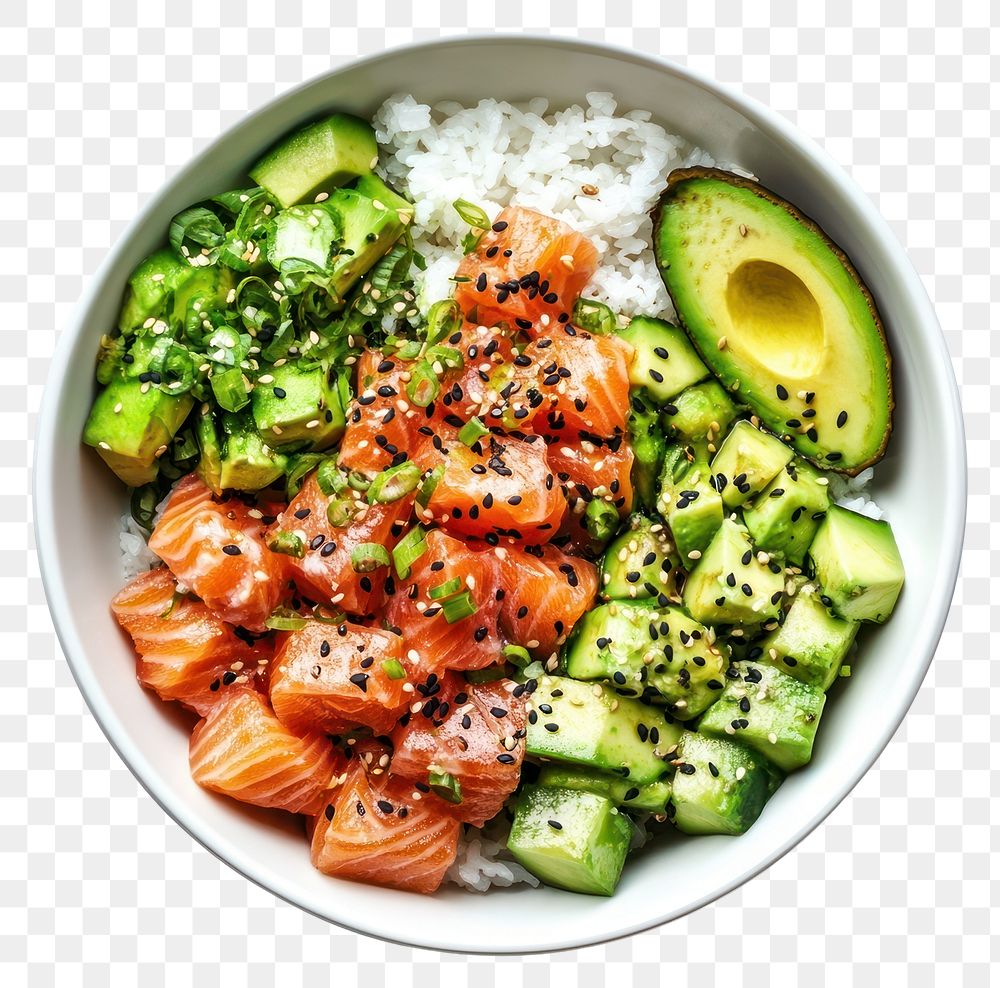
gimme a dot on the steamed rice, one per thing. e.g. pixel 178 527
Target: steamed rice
pixel 495 154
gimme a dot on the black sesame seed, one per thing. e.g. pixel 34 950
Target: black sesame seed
pixel 232 550
pixel 841 420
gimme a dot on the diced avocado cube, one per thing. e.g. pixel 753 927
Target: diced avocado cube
pixel 858 565
pixel 719 787
pixel 641 562
pixel 645 433
pixel 700 415
pixel 747 462
pixel 210 461
pixel 689 502
pixel 785 515
pixel 574 840
pixel 652 797
pixel 657 653
pixel 373 187
pixel 811 644
pixel 317 159
pixel 370 227
pixel 248 462
pixel 730 585
pixel 304 241
pixel 768 711
pixel 131 423
pixel 665 362
pixel 588 724
pixel 301 402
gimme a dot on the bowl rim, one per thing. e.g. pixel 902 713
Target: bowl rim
pixel 45 476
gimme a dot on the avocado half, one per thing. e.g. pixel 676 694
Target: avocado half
pixel 778 313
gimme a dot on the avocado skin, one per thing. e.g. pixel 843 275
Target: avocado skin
pixel 681 175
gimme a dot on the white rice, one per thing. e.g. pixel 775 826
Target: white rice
pixel 495 154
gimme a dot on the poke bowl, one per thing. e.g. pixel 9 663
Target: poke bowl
pixel 805 354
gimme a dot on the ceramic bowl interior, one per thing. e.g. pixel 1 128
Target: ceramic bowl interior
pixel 79 504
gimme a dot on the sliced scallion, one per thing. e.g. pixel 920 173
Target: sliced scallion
pixel 230 389
pixel 446 589
pixel 394 482
pixel 600 519
pixel 423 386
pixel 472 214
pixel 517 654
pixel 472 431
pixel 447 356
pixel 445 785
pixel 340 512
pixel 458 608
pixel 287 543
pixel 593 316
pixel 330 478
pixel 393 668
pixel 429 485
pixel 284 619
pixel 408 550
pixel 444 319
pixel 366 557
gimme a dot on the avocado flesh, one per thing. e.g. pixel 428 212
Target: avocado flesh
pixel 693 520
pixel 811 643
pixel 574 840
pixel 644 650
pixel 301 403
pixel 597 728
pixel 775 308
pixel 719 788
pixel 729 585
pixel 665 363
pixel 747 461
pixel 769 711
pixel 210 461
pixel 131 424
pixel 372 187
pixel 317 159
pixel 645 434
pixel 248 462
pixel 857 563
pixel 641 562
pixel 651 797
pixel 784 517
pixel 700 416
pixel 370 228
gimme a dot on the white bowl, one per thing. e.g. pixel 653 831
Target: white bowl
pixel 921 484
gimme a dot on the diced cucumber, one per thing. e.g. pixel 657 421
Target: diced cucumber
pixel 574 840
pixel 768 711
pixel 719 787
pixel 643 649
pixel 589 724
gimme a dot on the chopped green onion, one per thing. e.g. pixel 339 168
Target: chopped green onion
pixel 358 481
pixel 283 619
pixel 458 608
pixel 594 316
pixel 176 366
pixel 194 229
pixel 409 350
pixel 472 214
pixel 429 485
pixel 600 519
pixel 472 431
pixel 185 447
pixel 287 543
pixel 488 675
pixel 393 668
pixel 280 343
pixel 230 389
pixel 445 589
pixel 334 617
pixel 423 386
pixel 366 557
pixel 330 478
pixel 175 599
pixel 517 654
pixel 446 786
pixel 297 469
pixel 447 356
pixel 142 505
pixel 443 320
pixel 408 550
pixel 340 512
pixel 394 482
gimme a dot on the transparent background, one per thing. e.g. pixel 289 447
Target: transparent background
pixel 98 108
